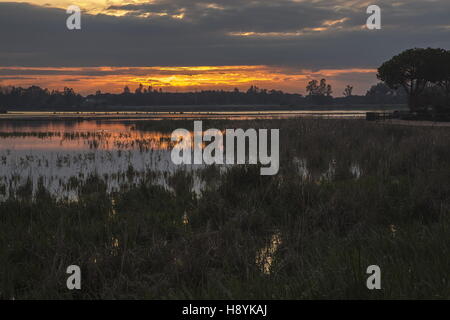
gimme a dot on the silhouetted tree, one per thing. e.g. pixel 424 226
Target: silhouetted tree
pixel 328 91
pixel 312 88
pixel 140 89
pixel 412 70
pixel 325 89
pixel 319 92
pixel 348 91
pixel 35 98
pixel 381 93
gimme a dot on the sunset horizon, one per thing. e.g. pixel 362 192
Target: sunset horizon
pixel 184 79
pixel 197 45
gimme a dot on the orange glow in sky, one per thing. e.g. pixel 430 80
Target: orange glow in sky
pixel 86 80
pixel 90 6
pixel 194 78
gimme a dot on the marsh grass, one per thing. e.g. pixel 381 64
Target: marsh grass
pixel 155 242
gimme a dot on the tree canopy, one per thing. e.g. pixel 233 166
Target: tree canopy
pixel 414 70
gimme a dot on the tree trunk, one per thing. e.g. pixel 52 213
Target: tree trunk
pixel 412 102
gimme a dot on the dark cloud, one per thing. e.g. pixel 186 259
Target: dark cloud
pixel 17 78
pixel 37 36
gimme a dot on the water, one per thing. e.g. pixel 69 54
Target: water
pixel 245 114
pixel 57 152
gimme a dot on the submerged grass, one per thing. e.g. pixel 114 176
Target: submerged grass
pixel 246 236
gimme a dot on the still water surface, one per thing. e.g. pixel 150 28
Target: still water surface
pixel 55 152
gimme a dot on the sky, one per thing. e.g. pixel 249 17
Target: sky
pixel 192 45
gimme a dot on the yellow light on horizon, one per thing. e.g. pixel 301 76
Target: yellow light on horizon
pixel 89 6
pixel 185 78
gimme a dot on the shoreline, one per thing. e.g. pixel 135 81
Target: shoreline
pixel 188 112
pixel 92 116
pixel 416 123
pixel 357 114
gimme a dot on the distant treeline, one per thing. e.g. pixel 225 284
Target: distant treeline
pixel 35 97
pixel 417 77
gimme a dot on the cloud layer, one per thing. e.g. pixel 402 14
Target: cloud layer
pixel 293 35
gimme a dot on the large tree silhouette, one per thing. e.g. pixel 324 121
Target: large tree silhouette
pixel 414 70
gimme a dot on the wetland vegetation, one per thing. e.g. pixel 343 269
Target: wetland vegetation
pixel 106 197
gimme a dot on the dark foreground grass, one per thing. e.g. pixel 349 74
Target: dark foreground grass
pixel 320 232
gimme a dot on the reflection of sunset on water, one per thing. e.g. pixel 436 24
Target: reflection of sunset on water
pixel 83 135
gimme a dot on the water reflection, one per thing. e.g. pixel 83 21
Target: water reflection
pixel 86 135
pixel 61 155
pixel 234 113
